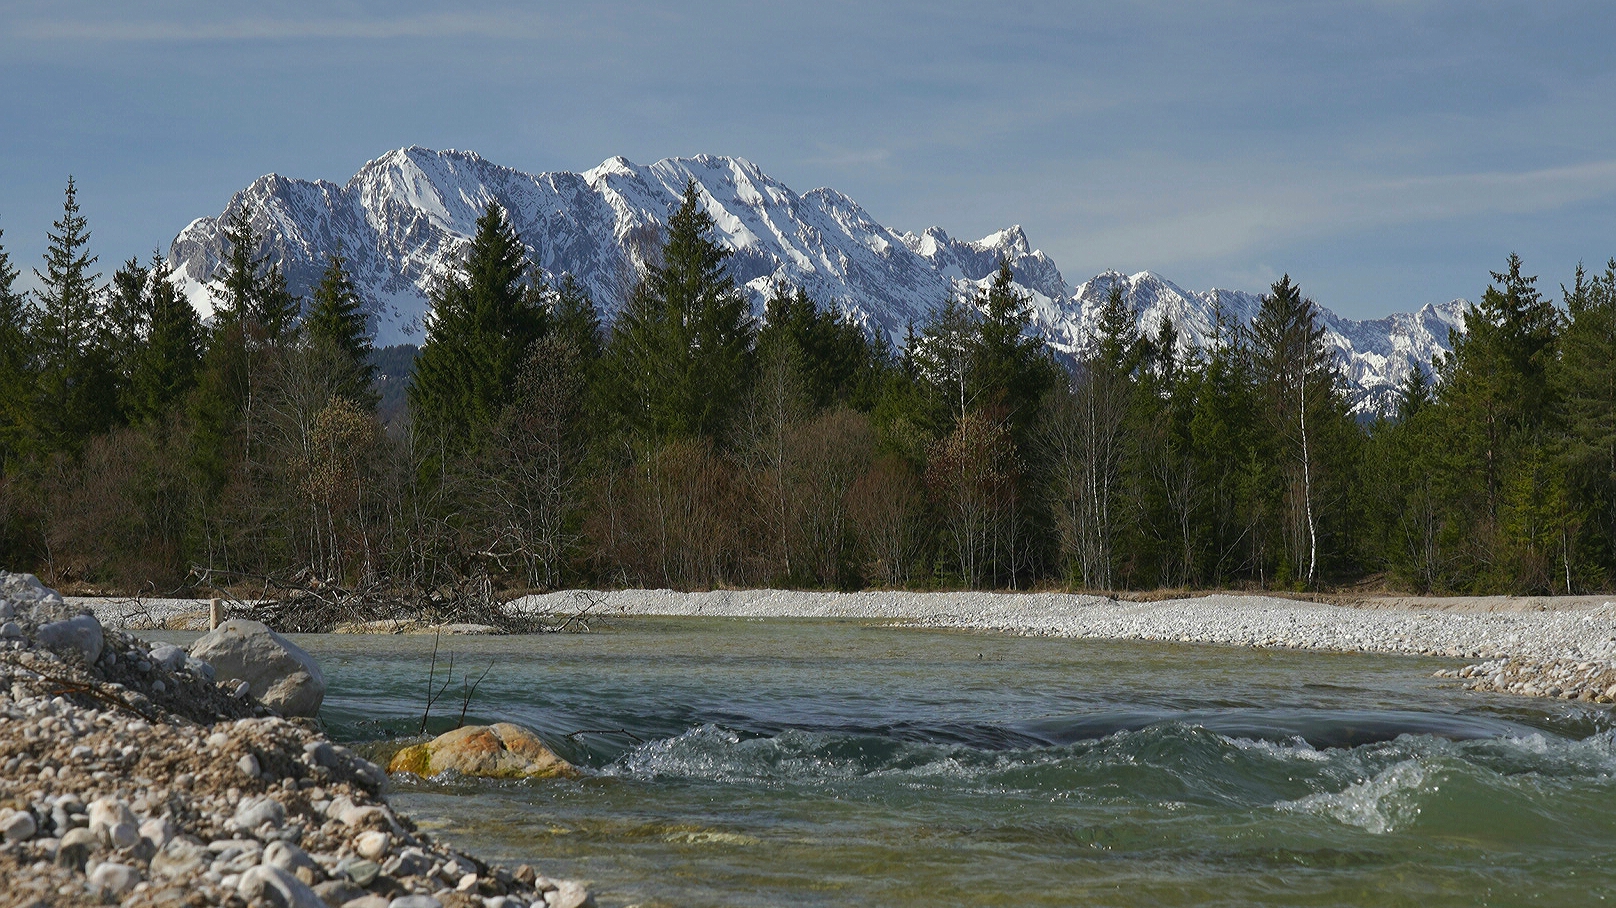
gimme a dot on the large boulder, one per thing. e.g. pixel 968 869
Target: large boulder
pixel 30 609
pixel 498 751
pixel 277 671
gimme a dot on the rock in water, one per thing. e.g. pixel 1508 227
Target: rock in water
pixel 276 670
pixel 499 751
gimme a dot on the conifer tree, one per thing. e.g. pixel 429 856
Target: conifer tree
pixel 1586 384
pixel 276 309
pixel 124 325
pixel 16 379
pixel 241 283
pixel 576 320
pixel 1299 384
pixel 75 395
pixel 1493 385
pixel 482 323
pixel 1012 370
pixel 832 354
pixel 680 354
pixel 337 322
pixel 164 368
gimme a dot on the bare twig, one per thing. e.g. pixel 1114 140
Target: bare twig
pixel 471 692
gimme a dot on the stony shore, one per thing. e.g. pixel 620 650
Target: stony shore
pixel 129 776
pixel 1563 647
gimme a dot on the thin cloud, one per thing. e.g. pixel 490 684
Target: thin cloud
pixel 1230 224
pixel 849 157
pixel 267 29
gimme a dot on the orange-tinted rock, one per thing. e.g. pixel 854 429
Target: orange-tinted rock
pixel 499 751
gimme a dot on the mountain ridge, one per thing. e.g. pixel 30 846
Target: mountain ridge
pixel 404 218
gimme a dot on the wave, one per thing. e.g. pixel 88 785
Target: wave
pixel 1379 787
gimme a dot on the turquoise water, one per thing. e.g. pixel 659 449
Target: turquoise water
pixel 744 762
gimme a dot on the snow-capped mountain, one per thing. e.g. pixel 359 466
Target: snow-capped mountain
pixel 403 221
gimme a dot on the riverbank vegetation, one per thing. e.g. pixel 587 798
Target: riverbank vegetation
pixel 688 445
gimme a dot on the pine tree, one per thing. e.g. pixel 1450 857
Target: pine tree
pixel 1494 393
pixel 124 325
pixel 276 309
pixel 75 395
pixel 16 378
pixel 577 321
pixel 337 322
pixel 681 352
pixel 1586 387
pixel 1011 370
pixel 832 354
pixel 165 366
pixel 482 323
pixel 1299 383
pixel 241 283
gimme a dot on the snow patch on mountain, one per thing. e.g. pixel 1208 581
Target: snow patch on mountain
pixel 404 220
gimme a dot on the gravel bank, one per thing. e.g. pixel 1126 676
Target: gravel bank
pixel 1564 648
pixel 1537 646
pixel 127 776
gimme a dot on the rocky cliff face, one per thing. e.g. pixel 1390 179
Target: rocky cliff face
pixel 404 219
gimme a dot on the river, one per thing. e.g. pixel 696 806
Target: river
pixel 735 762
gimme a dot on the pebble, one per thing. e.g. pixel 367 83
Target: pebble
pixel 248 764
pixel 279 886
pixel 17 825
pixel 1557 641
pixel 114 880
pixel 415 901
pixel 372 844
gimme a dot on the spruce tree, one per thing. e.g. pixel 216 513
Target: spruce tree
pixel 16 379
pixel 75 394
pixel 576 320
pixel 337 322
pixel 275 309
pixel 124 325
pixel 680 356
pixel 1586 384
pixel 241 283
pixel 482 322
pixel 165 366
pixel 834 357
pixel 1494 384
pixel 1011 369
pixel 1299 384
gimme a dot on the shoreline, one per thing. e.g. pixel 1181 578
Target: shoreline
pixel 1561 647
pixel 128 775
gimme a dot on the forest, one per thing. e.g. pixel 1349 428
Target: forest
pixel 690 445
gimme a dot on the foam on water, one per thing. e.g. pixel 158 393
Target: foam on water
pixel 1378 805
pixel 748 764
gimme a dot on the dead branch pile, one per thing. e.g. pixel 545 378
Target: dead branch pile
pixel 302 604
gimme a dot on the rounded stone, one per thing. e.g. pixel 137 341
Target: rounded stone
pixel 115 880
pixel 17 825
pixel 499 751
pixel 277 671
pixel 372 845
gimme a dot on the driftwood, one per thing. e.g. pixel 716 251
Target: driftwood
pixel 306 605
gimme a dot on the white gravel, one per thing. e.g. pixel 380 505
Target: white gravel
pixel 1234 620
pixel 1568 647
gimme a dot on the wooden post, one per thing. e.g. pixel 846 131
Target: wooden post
pixel 215 614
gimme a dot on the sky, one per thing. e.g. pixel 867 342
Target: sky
pixel 1384 154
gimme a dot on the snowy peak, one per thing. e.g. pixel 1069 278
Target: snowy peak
pixel 403 222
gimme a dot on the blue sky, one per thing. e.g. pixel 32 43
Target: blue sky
pixel 1385 154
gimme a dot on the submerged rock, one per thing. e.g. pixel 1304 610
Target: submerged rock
pixel 277 671
pixel 499 751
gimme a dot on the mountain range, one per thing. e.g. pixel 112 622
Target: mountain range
pixel 405 218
